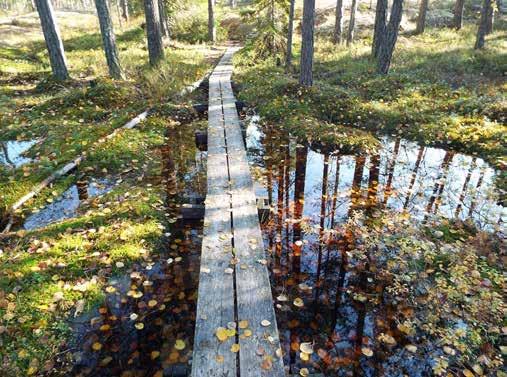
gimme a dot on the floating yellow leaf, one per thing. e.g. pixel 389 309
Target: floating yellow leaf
pixel 179 345
pixel 152 303
pixel 367 351
pixel 139 325
pixel 243 324
pixel 154 354
pixel 298 302
pixel 235 348
pixel 96 346
pixel 306 347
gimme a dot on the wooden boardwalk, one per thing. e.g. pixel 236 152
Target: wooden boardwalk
pixel 234 289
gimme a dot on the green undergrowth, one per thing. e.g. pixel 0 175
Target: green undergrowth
pixel 438 93
pixel 52 274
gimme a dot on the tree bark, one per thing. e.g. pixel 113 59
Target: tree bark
pixel 491 18
pixel 306 74
pixel 338 23
pixel 53 40
pixel 124 10
pixel 290 32
pixel 459 7
pixel 380 26
pixel 233 3
pixel 108 39
pixel 352 22
pixel 483 24
pixel 153 31
pixel 164 26
pixel 211 21
pixel 385 53
pixel 421 18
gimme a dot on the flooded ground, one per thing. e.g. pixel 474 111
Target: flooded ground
pixel 326 301
pixel 67 204
pixel 12 153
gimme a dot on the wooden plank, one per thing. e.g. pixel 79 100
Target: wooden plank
pixel 215 305
pixel 253 289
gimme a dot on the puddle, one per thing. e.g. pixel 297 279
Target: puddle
pixel 152 308
pixel 67 204
pixel 12 152
pixel 326 191
pixel 145 325
pixel 423 181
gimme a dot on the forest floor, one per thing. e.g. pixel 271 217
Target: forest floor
pixel 51 271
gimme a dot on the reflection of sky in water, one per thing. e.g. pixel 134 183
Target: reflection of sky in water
pixel 11 152
pixel 479 199
pixel 66 205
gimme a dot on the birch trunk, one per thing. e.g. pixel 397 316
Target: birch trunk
pixel 352 22
pixel 290 32
pixel 338 22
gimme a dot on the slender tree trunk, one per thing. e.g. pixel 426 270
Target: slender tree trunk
pixel 352 22
pixel 380 26
pixel 124 6
pixel 164 27
pixel 153 32
pixel 386 49
pixel 233 3
pixel 108 39
pixel 483 24
pixel 306 74
pixel 290 32
pixel 421 18
pixel 459 7
pixel 53 41
pixel 491 18
pixel 211 21
pixel 338 23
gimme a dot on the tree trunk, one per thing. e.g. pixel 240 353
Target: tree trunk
pixel 385 53
pixel 352 22
pixel 124 10
pixel 483 24
pixel 211 21
pixel 338 23
pixel 490 19
pixel 233 3
pixel 306 74
pixel 53 41
pixel 164 27
pixel 380 26
pixel 421 18
pixel 290 31
pixel 106 29
pixel 153 31
pixel 458 14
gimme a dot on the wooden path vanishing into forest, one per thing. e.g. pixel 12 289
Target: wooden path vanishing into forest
pixel 235 305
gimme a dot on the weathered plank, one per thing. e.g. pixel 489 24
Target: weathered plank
pixel 215 306
pixel 253 290
pixel 230 191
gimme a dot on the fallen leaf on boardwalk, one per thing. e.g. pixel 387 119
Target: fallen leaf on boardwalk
pixel 235 348
pixel 205 270
pixel 267 364
pixel 229 271
pixel 367 351
pixel 306 347
pixel 221 334
pixel 180 345
pixel 265 323
pixel 243 324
